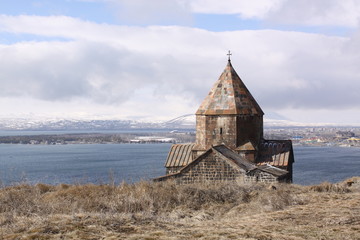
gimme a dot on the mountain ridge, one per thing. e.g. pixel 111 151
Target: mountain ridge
pixel 187 121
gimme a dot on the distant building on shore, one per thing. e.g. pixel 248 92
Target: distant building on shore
pixel 152 139
pixel 229 142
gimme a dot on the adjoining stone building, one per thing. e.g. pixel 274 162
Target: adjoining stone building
pixel 229 142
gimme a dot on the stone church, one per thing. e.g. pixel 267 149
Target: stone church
pixel 229 142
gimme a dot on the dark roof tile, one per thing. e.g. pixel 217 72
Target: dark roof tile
pixel 229 96
pixel 277 153
pixel 239 160
pixel 179 155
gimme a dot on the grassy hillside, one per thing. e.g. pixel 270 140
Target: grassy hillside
pixel 168 211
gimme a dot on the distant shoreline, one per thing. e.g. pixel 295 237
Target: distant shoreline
pixel 127 138
pixel 98 138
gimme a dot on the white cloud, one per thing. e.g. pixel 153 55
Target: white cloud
pixel 246 9
pixel 318 13
pixel 301 12
pixel 60 71
pixel 154 12
pixel 167 71
pixel 157 9
pixel 344 13
pixel 145 12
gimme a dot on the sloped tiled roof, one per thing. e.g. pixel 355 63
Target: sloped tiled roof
pixel 179 155
pixel 234 159
pixel 240 161
pixel 246 147
pixel 229 95
pixel 232 162
pixel 272 170
pixel 277 153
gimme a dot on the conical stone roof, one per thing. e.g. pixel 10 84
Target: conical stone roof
pixel 229 96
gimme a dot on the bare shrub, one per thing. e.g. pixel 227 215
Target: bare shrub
pixel 276 200
pixel 21 199
pixel 329 187
pixel 199 195
pixel 150 199
pixel 89 211
pixel 44 188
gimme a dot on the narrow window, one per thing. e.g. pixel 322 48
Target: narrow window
pixel 220 131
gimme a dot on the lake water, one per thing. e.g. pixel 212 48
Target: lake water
pixel 100 163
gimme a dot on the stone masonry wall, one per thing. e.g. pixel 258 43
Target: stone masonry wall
pixel 170 170
pixel 260 176
pixel 249 128
pixel 231 130
pixel 211 168
pixel 215 130
pixel 200 132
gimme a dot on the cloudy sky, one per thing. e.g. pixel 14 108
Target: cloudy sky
pixel 142 59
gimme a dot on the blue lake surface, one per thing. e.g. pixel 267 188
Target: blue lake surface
pixel 81 163
pixel 100 163
pixel 314 165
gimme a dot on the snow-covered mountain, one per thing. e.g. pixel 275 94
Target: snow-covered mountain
pixel 270 120
pixel 183 122
pixel 187 121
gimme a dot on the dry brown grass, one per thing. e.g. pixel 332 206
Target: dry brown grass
pixel 148 210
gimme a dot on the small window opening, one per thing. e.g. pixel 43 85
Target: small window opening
pixel 220 131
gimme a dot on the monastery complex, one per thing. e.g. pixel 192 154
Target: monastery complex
pixel 229 142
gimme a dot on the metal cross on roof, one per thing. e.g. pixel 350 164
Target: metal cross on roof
pixel 229 54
